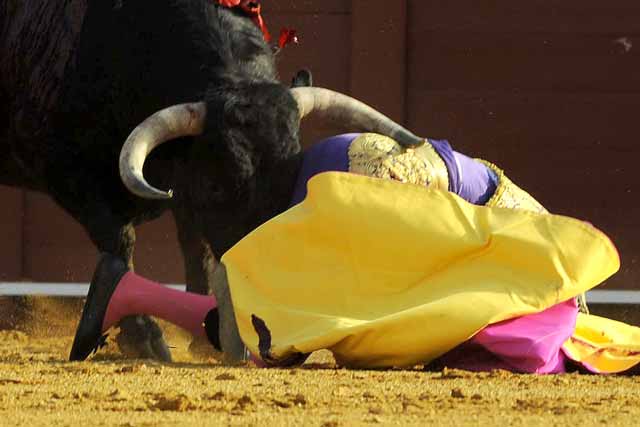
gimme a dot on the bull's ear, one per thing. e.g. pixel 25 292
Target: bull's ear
pixel 303 78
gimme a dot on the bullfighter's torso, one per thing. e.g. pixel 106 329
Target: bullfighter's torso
pixel 434 165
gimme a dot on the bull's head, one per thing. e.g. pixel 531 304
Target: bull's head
pixel 189 120
pixel 251 132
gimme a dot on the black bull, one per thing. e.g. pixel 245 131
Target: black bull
pixel 77 76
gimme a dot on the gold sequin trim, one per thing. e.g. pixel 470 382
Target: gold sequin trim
pixel 379 156
pixel 509 195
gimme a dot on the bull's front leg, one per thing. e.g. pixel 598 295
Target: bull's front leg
pixel 140 336
pixel 199 265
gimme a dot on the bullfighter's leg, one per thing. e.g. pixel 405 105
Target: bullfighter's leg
pixel 139 336
pixel 116 292
pixel 199 264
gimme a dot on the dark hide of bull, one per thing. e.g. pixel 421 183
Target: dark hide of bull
pixel 71 96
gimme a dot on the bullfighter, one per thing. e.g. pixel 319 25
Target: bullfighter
pixel 394 256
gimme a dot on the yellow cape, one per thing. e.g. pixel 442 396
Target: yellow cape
pixel 388 274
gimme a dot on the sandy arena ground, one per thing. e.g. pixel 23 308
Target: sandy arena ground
pixel 38 387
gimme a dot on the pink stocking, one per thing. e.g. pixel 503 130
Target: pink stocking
pixel 137 295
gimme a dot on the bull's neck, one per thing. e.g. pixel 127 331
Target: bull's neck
pixel 282 182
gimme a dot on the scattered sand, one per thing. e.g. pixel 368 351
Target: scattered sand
pixel 38 387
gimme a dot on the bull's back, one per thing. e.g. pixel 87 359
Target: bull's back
pixel 37 41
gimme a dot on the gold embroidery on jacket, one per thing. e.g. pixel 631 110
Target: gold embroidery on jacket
pixel 509 195
pixel 379 156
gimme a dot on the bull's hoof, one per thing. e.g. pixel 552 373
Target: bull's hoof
pixel 141 338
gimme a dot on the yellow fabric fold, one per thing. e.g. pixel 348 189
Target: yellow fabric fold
pixel 604 345
pixel 388 274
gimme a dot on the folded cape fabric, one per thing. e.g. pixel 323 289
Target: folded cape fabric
pixel 529 344
pixel 388 274
pixel 603 345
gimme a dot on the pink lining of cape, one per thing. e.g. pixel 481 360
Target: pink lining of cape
pixel 527 344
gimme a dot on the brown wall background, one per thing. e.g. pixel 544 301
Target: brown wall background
pixel 549 90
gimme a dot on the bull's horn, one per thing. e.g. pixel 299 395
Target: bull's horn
pixel 173 122
pixel 352 113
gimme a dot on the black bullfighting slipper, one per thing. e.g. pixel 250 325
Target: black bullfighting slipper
pixel 89 337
